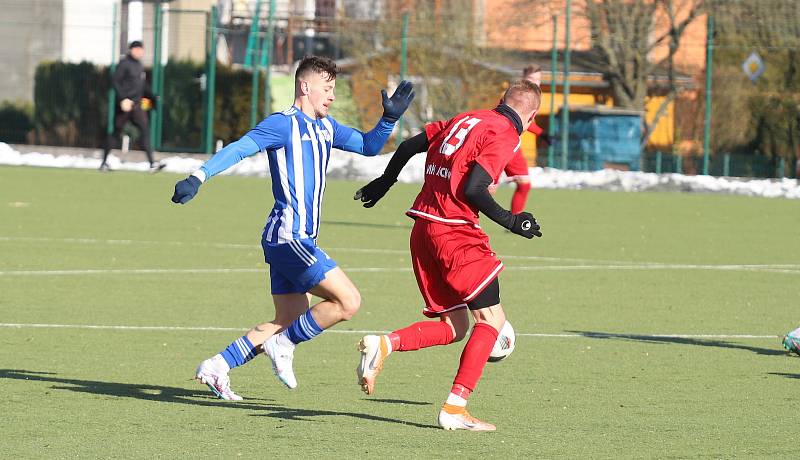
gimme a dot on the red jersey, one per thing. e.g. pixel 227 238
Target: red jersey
pixel 535 129
pixel 480 136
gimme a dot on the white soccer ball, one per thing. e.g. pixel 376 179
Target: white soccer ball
pixel 504 345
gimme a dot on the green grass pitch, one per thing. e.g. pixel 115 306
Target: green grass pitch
pixel 593 374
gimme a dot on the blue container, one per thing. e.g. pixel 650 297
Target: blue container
pixel 601 137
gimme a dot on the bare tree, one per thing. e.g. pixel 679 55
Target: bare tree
pixel 626 34
pixel 444 58
pixel 761 116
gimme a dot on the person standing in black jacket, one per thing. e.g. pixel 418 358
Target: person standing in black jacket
pixel 130 86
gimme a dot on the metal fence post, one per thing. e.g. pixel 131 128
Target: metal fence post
pixel 157 77
pixel 658 162
pixel 252 37
pixel 565 106
pixel 403 69
pixel 112 94
pixel 211 75
pixel 254 81
pixel 707 118
pixel 726 165
pixel 551 129
pixel 266 58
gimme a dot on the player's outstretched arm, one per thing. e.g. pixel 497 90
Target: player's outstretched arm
pixel 372 143
pixel 476 190
pixel 375 190
pixel 231 154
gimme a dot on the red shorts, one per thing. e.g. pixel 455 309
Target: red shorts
pixel 517 166
pixel 452 263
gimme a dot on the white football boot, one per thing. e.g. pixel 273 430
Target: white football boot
pixel 374 350
pixel 214 373
pixel 453 417
pixel 281 351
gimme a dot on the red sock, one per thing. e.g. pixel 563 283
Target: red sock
pixel 461 391
pixel 421 335
pixel 519 198
pixel 475 355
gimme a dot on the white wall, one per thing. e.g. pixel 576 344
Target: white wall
pixel 88 31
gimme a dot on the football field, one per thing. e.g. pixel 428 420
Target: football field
pixel 647 327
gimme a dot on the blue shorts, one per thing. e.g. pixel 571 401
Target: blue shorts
pixel 297 266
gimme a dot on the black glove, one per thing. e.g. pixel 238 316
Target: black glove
pixel 546 139
pixel 395 106
pixel 524 224
pixel 186 189
pixel 374 191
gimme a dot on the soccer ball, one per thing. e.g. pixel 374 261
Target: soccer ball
pixel 504 345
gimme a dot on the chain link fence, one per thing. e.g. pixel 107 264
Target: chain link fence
pixel 196 66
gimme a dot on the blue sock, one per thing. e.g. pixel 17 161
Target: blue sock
pixel 239 352
pixel 303 328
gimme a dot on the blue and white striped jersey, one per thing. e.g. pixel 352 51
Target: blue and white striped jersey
pixel 298 148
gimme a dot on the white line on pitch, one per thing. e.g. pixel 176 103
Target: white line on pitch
pixel 152 271
pixel 586 264
pixel 593 335
pixel 158 271
pixel 257 246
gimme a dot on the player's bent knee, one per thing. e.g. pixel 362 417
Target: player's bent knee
pixel 459 334
pixel 350 304
pixel 459 323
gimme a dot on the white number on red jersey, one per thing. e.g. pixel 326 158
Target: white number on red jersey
pixel 455 138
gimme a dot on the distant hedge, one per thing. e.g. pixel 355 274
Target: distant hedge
pixel 16 122
pixel 70 104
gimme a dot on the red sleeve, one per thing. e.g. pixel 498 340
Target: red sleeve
pixel 535 129
pixel 498 151
pixel 433 128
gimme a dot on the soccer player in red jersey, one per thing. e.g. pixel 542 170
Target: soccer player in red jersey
pixel 455 267
pixel 517 168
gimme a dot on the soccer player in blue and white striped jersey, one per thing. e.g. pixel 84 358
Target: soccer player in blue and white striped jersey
pixel 298 143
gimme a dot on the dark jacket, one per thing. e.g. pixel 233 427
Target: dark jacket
pixel 130 80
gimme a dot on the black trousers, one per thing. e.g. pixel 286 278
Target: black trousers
pixel 138 117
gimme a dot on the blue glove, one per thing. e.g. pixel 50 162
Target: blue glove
pixel 186 189
pixel 395 106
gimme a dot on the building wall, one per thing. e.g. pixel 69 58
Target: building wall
pixel 31 33
pixel 88 31
pixel 185 29
pixel 532 29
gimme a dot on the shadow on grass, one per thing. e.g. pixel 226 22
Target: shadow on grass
pixel 680 341
pixel 398 401
pixel 788 376
pixel 177 395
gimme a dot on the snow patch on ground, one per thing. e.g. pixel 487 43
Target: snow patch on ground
pixel 344 165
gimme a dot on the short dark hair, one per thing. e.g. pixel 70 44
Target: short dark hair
pixel 316 64
pixel 531 68
pixel 135 44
